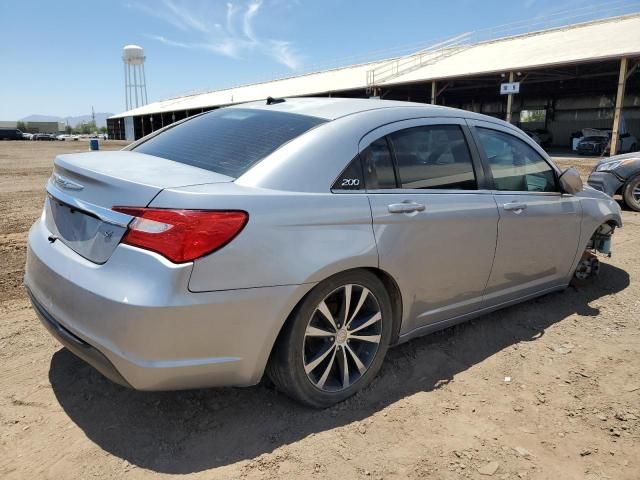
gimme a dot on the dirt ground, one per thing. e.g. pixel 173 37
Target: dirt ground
pixel 547 389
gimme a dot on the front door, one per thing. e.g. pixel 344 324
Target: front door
pixel 435 228
pixel 539 227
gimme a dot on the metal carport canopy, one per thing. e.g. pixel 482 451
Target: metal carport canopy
pixel 585 42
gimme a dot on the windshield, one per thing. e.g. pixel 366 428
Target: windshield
pixel 228 141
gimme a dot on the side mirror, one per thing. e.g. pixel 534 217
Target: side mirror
pixel 570 181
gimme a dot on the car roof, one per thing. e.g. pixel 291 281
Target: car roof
pixel 333 108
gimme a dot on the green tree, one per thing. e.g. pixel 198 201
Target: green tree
pixel 86 128
pixel 103 130
pixel 20 125
pixel 532 116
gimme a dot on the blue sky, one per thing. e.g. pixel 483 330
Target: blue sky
pixel 62 57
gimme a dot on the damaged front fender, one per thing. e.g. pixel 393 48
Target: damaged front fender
pixel 589 266
pixel 600 241
pixel 601 215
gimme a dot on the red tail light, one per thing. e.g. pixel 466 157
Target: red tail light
pixel 182 235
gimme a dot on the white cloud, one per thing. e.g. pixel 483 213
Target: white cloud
pixel 234 37
pixel 284 53
pixel 247 19
pixel 182 15
pixel 231 11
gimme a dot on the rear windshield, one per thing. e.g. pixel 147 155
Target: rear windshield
pixel 229 140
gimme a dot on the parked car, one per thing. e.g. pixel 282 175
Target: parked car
pixel 301 237
pixel 66 137
pixel 628 143
pixel 43 137
pixel 598 142
pixel 541 136
pixel 593 145
pixel 545 136
pixel 10 134
pixel 619 175
pixel 27 136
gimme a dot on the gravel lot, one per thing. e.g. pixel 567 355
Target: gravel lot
pixel 546 389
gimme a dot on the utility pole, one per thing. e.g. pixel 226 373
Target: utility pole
pixel 509 100
pixel 622 80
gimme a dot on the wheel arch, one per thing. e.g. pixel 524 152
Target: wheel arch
pixel 391 286
pixel 396 299
pixel 613 220
pixel 626 182
pixel 635 176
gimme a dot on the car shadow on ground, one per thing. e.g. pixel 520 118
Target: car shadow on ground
pixel 184 432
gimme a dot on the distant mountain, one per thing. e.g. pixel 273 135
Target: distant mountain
pixel 101 119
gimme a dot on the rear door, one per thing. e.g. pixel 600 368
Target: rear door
pixel 434 222
pixel 539 227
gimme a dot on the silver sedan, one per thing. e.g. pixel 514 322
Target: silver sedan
pixel 301 238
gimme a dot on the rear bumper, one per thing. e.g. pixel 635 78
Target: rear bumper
pixel 134 319
pixel 605 182
pixel 76 345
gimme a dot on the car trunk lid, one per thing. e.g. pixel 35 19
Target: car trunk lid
pixel 84 188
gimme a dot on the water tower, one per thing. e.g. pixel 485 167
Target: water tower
pixel 135 82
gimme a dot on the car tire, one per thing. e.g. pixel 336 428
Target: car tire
pixel 631 193
pixel 319 339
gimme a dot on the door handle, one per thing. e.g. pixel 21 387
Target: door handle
pixel 406 207
pixel 515 207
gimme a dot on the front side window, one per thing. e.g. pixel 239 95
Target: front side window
pixel 515 166
pixel 228 140
pixel 433 157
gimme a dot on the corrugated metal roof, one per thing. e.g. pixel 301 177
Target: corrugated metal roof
pixel 599 40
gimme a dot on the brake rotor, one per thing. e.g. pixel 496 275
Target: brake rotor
pixel 588 267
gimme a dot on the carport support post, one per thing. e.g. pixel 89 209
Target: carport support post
pixel 619 103
pixel 433 92
pixel 509 100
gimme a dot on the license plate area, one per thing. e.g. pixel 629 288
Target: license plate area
pixel 84 233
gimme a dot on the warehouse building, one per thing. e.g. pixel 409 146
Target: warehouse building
pixel 35 127
pixel 559 80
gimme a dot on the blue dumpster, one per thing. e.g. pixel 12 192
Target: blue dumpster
pixel 93 143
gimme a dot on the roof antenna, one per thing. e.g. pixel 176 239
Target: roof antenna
pixel 273 101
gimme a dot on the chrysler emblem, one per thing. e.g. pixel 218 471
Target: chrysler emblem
pixel 65 183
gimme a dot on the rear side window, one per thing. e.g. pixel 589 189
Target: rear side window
pixel 378 165
pixel 229 140
pixel 351 177
pixel 433 157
